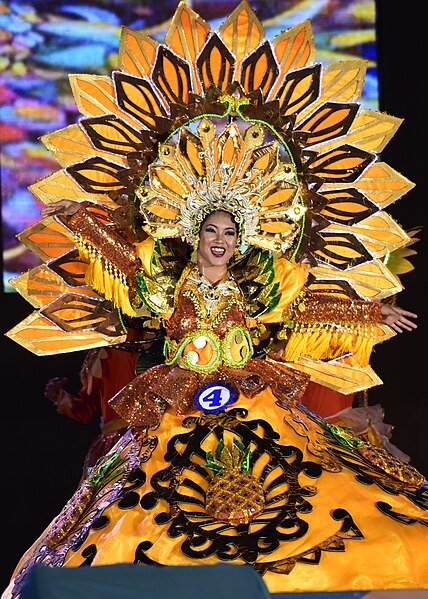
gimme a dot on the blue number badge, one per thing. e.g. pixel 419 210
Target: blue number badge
pixel 214 397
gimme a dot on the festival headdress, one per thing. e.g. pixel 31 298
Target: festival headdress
pixel 207 120
pixel 232 172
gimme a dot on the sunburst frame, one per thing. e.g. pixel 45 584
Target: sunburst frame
pixel 201 78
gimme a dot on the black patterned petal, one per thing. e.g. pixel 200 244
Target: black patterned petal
pixel 330 121
pixel 216 65
pixel 347 206
pixel 259 70
pixel 299 90
pixel 171 75
pixel 97 175
pixel 112 134
pixel 342 250
pixel 344 164
pixel 139 99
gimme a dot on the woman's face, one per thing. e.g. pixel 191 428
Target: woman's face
pixel 217 240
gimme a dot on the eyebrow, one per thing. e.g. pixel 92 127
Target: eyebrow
pixel 229 227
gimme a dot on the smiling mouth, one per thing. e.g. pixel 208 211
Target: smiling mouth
pixel 218 252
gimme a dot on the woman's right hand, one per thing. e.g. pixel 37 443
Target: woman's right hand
pixel 60 208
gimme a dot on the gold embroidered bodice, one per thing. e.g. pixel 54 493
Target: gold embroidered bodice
pixel 207 328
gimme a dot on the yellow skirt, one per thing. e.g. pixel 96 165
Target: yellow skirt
pixel 264 483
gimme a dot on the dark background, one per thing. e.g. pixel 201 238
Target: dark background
pixel 42 452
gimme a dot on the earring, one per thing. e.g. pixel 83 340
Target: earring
pixel 194 245
pixel 240 249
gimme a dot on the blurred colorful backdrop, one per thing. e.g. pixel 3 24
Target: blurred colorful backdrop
pixel 42 41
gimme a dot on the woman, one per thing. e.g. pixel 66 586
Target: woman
pixel 261 160
pixel 222 463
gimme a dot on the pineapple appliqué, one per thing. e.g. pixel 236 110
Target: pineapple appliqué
pixel 234 495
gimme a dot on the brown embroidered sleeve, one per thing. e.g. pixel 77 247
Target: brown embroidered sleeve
pixel 96 229
pixel 324 308
pixel 112 259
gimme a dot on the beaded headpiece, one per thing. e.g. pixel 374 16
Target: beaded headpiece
pixel 233 172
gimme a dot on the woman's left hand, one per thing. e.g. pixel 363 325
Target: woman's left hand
pixel 397 318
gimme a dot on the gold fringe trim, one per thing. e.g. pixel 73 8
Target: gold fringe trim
pixel 104 276
pixel 326 342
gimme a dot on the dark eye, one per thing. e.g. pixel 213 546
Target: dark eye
pixel 230 232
